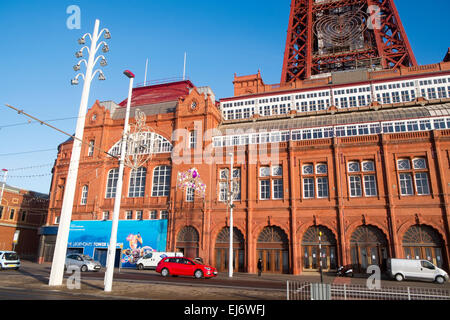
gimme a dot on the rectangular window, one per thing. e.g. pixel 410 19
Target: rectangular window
pixel 91 148
pixel 137 183
pixel 161 181
pixel 24 216
pixel 308 188
pixel 370 186
pixel 362 101
pixel 193 139
pixel 190 194
pixel 164 215
pixel 386 97
pixel 422 185
pixel 277 188
pixel 129 215
pixel 355 186
pixel 105 215
pixel 1 212
pixel 322 187
pixel 153 214
pixel 431 93
pixel 264 189
pixel 405 96
pixel 111 185
pixel 406 184
pixel 304 106
pixel 395 97
pixel 84 194
pixel 139 215
pixel 442 93
pixel 223 191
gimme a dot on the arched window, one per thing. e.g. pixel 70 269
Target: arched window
pixel 222 250
pixel 137 183
pixel 84 194
pixel 111 185
pixel 188 242
pixel 368 245
pixel 161 181
pixel 315 247
pixel 424 242
pixel 273 249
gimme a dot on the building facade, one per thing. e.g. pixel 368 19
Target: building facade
pixel 354 161
pixel 22 212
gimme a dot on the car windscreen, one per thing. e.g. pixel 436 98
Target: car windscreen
pixel 11 256
pixel 87 258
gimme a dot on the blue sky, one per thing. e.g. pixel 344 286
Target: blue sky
pixel 220 37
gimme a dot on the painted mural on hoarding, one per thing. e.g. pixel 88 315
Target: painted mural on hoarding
pixel 134 239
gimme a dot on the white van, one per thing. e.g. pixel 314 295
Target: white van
pixel 151 260
pixel 9 260
pixel 415 269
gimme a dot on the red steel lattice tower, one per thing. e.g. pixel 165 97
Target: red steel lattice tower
pixel 339 35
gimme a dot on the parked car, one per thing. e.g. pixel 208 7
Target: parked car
pixel 151 260
pixel 182 266
pixel 84 262
pixel 9 260
pixel 401 269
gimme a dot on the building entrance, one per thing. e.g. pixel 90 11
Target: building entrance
pixel 222 250
pixel 273 249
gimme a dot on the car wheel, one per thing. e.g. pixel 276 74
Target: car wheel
pixel 440 279
pixel 165 272
pixel 140 266
pixel 198 274
pixel 84 268
pixel 399 277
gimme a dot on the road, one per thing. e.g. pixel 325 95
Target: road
pixel 239 280
pixel 241 284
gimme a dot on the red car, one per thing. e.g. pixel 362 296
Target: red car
pixel 181 266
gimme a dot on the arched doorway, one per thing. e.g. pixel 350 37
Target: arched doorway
pixel 273 249
pixel 424 242
pixel 222 250
pixel 368 246
pixel 187 242
pixel 310 247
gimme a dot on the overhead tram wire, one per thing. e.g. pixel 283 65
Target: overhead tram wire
pixel 33 122
pixel 25 152
pixel 59 130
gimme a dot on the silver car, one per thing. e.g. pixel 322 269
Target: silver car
pixel 84 262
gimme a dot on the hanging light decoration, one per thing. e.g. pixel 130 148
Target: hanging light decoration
pixel 191 180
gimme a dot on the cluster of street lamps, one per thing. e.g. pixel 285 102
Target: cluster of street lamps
pixel 57 271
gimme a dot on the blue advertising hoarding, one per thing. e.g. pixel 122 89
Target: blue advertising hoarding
pixel 135 238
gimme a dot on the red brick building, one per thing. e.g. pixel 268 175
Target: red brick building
pixel 359 155
pixel 24 212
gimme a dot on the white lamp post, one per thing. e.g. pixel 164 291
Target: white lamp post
pixel 57 271
pixel 115 220
pixel 230 259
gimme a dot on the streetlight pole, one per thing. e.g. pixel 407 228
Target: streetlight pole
pixel 230 259
pixel 115 220
pixel 5 174
pixel 320 256
pixel 59 257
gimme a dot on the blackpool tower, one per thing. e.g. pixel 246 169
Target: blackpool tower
pixel 327 36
